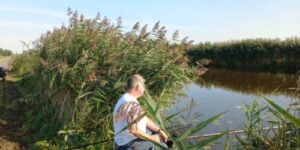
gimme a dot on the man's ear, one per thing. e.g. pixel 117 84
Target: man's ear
pixel 136 87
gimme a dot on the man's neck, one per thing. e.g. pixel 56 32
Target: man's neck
pixel 133 94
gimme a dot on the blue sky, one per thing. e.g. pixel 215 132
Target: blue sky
pixel 200 20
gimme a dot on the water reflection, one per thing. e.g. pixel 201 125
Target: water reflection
pixel 250 82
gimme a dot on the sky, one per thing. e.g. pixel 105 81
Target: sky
pixel 200 20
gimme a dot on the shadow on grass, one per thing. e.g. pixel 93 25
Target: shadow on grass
pixel 12 113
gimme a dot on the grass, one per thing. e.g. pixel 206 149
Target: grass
pixel 12 109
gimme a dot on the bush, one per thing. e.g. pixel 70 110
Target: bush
pixel 25 62
pixel 5 52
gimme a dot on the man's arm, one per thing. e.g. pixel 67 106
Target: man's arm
pixel 154 128
pixel 151 125
pixel 140 134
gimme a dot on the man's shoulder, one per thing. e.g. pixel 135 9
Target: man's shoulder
pixel 120 101
pixel 125 98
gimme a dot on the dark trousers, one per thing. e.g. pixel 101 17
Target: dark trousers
pixel 140 144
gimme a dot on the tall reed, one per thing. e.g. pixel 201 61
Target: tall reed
pixel 282 132
pixel 251 54
pixel 81 73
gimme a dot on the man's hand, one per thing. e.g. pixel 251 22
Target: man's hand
pixel 163 136
pixel 155 138
pixel 138 133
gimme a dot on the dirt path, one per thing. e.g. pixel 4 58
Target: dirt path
pixel 12 114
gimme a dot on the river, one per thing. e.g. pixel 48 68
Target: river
pixel 224 90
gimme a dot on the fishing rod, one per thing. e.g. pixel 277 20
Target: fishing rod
pixel 190 137
pixel 230 132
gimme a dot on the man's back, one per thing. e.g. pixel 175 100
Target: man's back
pixel 126 102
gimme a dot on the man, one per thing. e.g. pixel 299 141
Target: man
pixel 126 113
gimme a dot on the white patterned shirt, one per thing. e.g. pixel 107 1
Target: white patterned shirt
pixel 129 103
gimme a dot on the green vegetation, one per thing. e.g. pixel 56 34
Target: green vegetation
pixel 5 52
pixel 75 74
pixel 25 62
pixel 78 73
pixel 252 54
pixel 12 115
pixel 270 127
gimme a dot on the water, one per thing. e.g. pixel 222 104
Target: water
pixel 223 90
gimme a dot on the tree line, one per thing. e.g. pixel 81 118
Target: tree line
pixel 5 52
pixel 258 54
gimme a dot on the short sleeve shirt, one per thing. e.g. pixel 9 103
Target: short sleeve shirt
pixel 125 136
